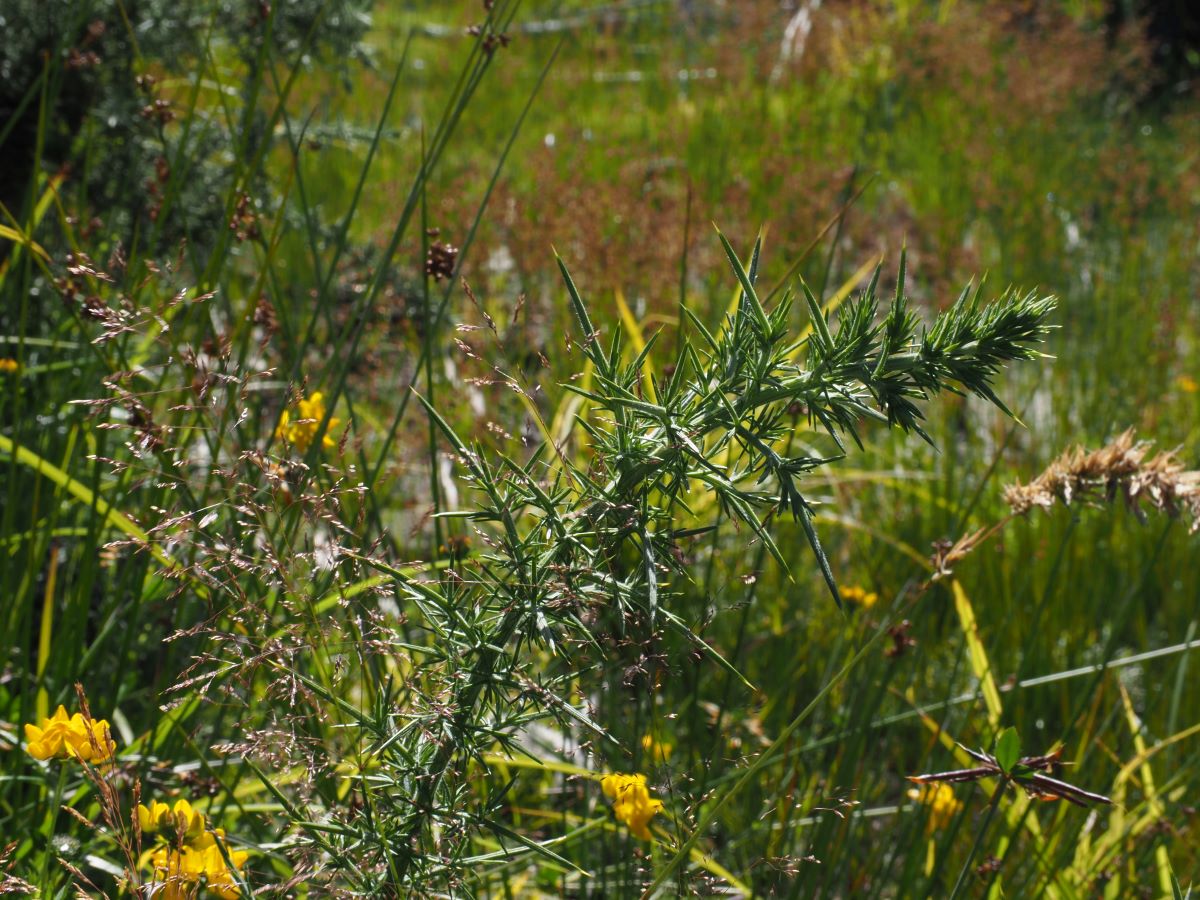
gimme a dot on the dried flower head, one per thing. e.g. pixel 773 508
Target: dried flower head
pixel 1121 467
pixel 441 260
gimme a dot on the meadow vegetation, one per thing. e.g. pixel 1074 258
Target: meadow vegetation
pixel 407 491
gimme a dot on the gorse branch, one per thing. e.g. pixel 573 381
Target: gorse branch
pixel 734 396
pixel 575 553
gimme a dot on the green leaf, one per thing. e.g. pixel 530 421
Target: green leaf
pixel 805 516
pixel 749 297
pixel 583 320
pixel 1008 749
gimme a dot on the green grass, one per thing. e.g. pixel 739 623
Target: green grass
pixel 365 687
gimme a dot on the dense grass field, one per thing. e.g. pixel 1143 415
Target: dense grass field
pixel 597 450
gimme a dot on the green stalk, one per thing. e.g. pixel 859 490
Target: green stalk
pixel 713 807
pixel 987 821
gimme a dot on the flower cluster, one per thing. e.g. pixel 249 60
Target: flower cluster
pixel 180 820
pixel 188 855
pixel 301 432
pixel 859 596
pixel 939 798
pixel 71 737
pixel 632 803
pixel 655 750
pixel 191 854
pixel 9 366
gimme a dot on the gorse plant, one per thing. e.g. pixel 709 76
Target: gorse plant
pixel 576 555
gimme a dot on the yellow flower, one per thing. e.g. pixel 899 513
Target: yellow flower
pixel 188 857
pixel 1187 384
pixel 151 818
pixel 172 821
pixel 632 803
pixel 614 784
pixel 859 596
pixel 939 798
pixel 181 871
pixel 310 414
pixel 656 750
pixel 9 366
pixel 71 737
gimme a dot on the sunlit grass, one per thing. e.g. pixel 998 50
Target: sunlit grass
pixel 237 509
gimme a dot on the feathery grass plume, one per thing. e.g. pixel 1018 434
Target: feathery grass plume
pixel 1094 477
pixel 10 883
pixel 1119 468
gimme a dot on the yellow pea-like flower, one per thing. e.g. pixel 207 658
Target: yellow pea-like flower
pixel 655 750
pixel 942 804
pixel 70 737
pixel 180 819
pixel 151 818
pixel 632 803
pixel 859 596
pixel 181 870
pixel 301 431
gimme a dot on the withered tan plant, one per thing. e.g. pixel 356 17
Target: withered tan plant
pixel 1122 468
pixel 1078 475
